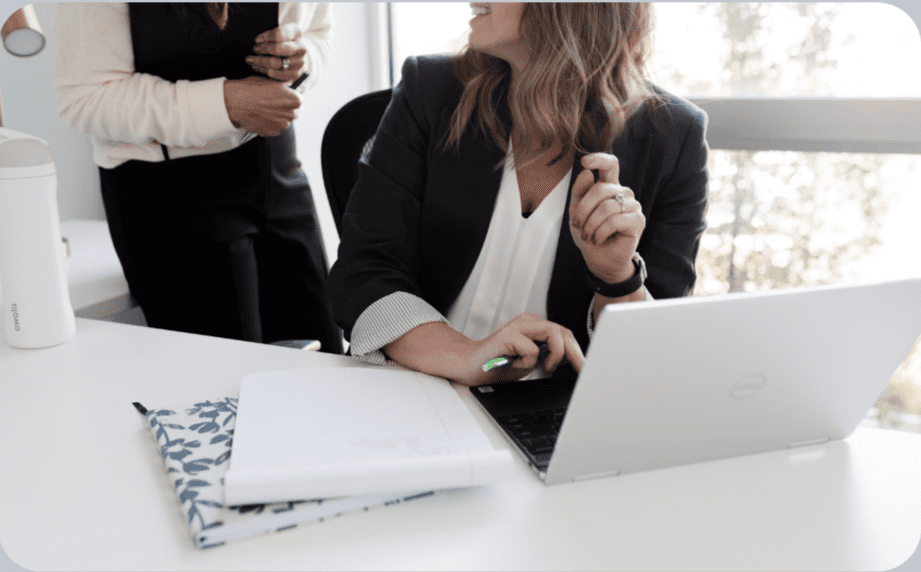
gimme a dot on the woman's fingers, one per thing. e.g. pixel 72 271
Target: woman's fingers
pixel 276 63
pixel 584 181
pixel 556 344
pixel 291 49
pixel 627 224
pixel 522 337
pixel 581 210
pixel 527 351
pixel 560 341
pixel 574 353
pixel 607 165
pixel 273 67
pixel 288 32
pixel 588 194
pixel 601 202
pixel 260 105
pixel 274 48
pixel 612 217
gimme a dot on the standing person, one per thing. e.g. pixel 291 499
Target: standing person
pixel 190 109
pixel 477 227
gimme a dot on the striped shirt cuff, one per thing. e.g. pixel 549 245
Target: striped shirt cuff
pixel 387 320
pixel 590 323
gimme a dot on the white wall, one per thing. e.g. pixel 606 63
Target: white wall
pixel 350 73
pixel 29 105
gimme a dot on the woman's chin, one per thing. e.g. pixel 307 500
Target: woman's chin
pixel 479 41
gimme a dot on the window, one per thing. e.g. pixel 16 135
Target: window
pixel 815 130
pixel 427 28
pixel 786 50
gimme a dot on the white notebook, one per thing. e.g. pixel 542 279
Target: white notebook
pixel 329 432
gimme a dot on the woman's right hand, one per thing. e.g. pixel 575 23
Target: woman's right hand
pixel 522 337
pixel 260 105
pixel 435 348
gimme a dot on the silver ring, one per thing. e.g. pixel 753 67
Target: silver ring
pixel 621 197
pixel 285 64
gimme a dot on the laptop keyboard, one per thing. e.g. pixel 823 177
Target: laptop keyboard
pixel 530 412
pixel 535 432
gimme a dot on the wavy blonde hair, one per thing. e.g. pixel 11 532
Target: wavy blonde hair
pixel 584 78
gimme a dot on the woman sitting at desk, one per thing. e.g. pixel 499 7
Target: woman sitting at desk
pixel 477 229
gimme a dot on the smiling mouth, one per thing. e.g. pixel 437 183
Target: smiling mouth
pixel 480 9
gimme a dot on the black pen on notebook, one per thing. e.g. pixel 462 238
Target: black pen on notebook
pixel 503 361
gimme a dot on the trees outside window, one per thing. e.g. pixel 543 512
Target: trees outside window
pixel 780 219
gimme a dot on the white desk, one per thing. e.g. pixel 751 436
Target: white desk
pixel 82 486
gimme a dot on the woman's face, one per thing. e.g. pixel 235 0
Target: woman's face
pixel 495 30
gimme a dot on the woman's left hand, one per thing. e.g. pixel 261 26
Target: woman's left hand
pixel 276 46
pixel 605 219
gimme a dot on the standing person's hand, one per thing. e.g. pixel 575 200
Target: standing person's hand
pixel 605 219
pixel 259 105
pixel 280 53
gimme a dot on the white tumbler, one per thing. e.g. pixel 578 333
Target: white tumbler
pixel 33 285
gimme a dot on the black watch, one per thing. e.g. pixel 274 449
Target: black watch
pixel 628 286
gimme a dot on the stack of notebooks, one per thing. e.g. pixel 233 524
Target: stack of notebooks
pixel 312 444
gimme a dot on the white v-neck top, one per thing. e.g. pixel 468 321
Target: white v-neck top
pixel 511 276
pixel 512 273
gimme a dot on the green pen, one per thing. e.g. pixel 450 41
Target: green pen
pixel 503 361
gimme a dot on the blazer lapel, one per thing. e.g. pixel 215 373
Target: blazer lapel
pixel 569 295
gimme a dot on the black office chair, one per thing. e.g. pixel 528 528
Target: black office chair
pixel 348 136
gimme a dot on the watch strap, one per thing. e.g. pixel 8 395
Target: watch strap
pixel 628 286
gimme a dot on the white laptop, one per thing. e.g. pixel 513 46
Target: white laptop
pixel 681 381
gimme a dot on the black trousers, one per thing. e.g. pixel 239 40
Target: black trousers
pixel 224 245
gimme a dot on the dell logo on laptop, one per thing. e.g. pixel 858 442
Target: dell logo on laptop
pixel 747 386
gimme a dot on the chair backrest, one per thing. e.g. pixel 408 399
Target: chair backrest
pixel 347 137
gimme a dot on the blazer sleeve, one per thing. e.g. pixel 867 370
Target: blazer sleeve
pixel 677 218
pixel 379 253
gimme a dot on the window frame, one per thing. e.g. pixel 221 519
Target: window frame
pixel 813 124
pixel 745 123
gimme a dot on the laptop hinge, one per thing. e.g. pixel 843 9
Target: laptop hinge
pixel 596 476
pixel 807 443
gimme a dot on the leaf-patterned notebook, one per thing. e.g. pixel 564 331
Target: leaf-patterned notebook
pixel 195 442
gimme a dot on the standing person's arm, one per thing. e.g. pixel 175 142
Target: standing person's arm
pixel 100 93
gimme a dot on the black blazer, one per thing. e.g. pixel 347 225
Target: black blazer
pixel 418 215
